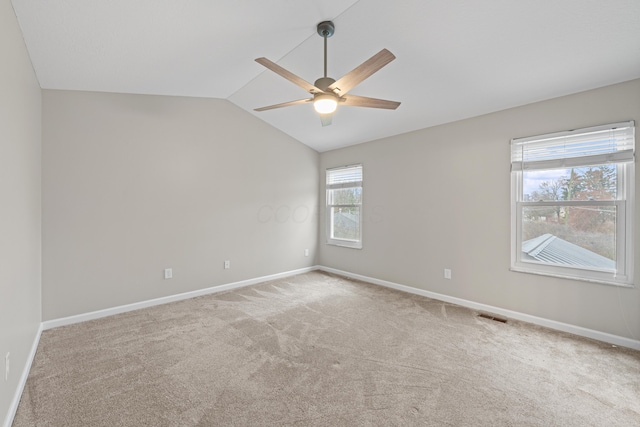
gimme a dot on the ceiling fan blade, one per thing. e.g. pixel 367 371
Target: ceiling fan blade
pixel 363 101
pixel 361 72
pixel 284 104
pixel 325 119
pixel 288 75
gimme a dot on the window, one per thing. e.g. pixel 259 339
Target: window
pixel 571 204
pixel 344 206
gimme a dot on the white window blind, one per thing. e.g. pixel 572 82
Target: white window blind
pixel 613 143
pixel 344 177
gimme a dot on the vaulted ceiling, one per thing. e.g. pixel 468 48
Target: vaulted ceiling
pixel 455 59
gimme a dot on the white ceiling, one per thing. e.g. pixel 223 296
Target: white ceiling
pixel 455 58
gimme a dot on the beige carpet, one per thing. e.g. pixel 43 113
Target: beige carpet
pixel 317 349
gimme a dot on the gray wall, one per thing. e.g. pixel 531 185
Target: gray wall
pixel 133 184
pixel 20 107
pixel 440 198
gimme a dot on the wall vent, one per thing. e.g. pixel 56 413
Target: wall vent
pixel 490 317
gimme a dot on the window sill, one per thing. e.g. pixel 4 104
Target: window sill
pixel 580 279
pixel 345 244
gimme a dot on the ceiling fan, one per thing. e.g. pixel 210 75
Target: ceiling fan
pixel 327 92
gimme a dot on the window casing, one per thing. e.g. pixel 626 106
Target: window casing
pixel 572 204
pixel 344 206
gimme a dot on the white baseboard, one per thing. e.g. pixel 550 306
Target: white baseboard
pixel 552 324
pixel 49 324
pixel 13 408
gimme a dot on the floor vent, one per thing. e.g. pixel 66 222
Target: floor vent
pixel 490 317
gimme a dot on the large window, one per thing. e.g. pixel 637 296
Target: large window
pixel 344 206
pixel 572 202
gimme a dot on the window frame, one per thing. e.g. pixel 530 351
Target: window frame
pixel 624 202
pixel 347 243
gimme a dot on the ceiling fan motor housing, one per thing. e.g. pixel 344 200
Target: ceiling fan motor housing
pixel 324 83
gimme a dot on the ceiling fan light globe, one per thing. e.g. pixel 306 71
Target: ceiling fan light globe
pixel 325 104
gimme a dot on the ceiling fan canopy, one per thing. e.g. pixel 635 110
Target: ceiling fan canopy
pixel 327 92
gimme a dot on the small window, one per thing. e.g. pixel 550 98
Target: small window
pixel 572 202
pixel 344 206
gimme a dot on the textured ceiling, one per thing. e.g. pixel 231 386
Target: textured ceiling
pixel 455 59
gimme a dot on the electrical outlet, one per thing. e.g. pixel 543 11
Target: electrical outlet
pixel 168 273
pixel 306 252
pixel 6 367
pixel 447 273
pixel 227 265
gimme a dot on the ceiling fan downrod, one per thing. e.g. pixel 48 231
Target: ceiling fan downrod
pixel 326 30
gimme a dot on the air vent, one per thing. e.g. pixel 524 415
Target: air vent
pixel 490 317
